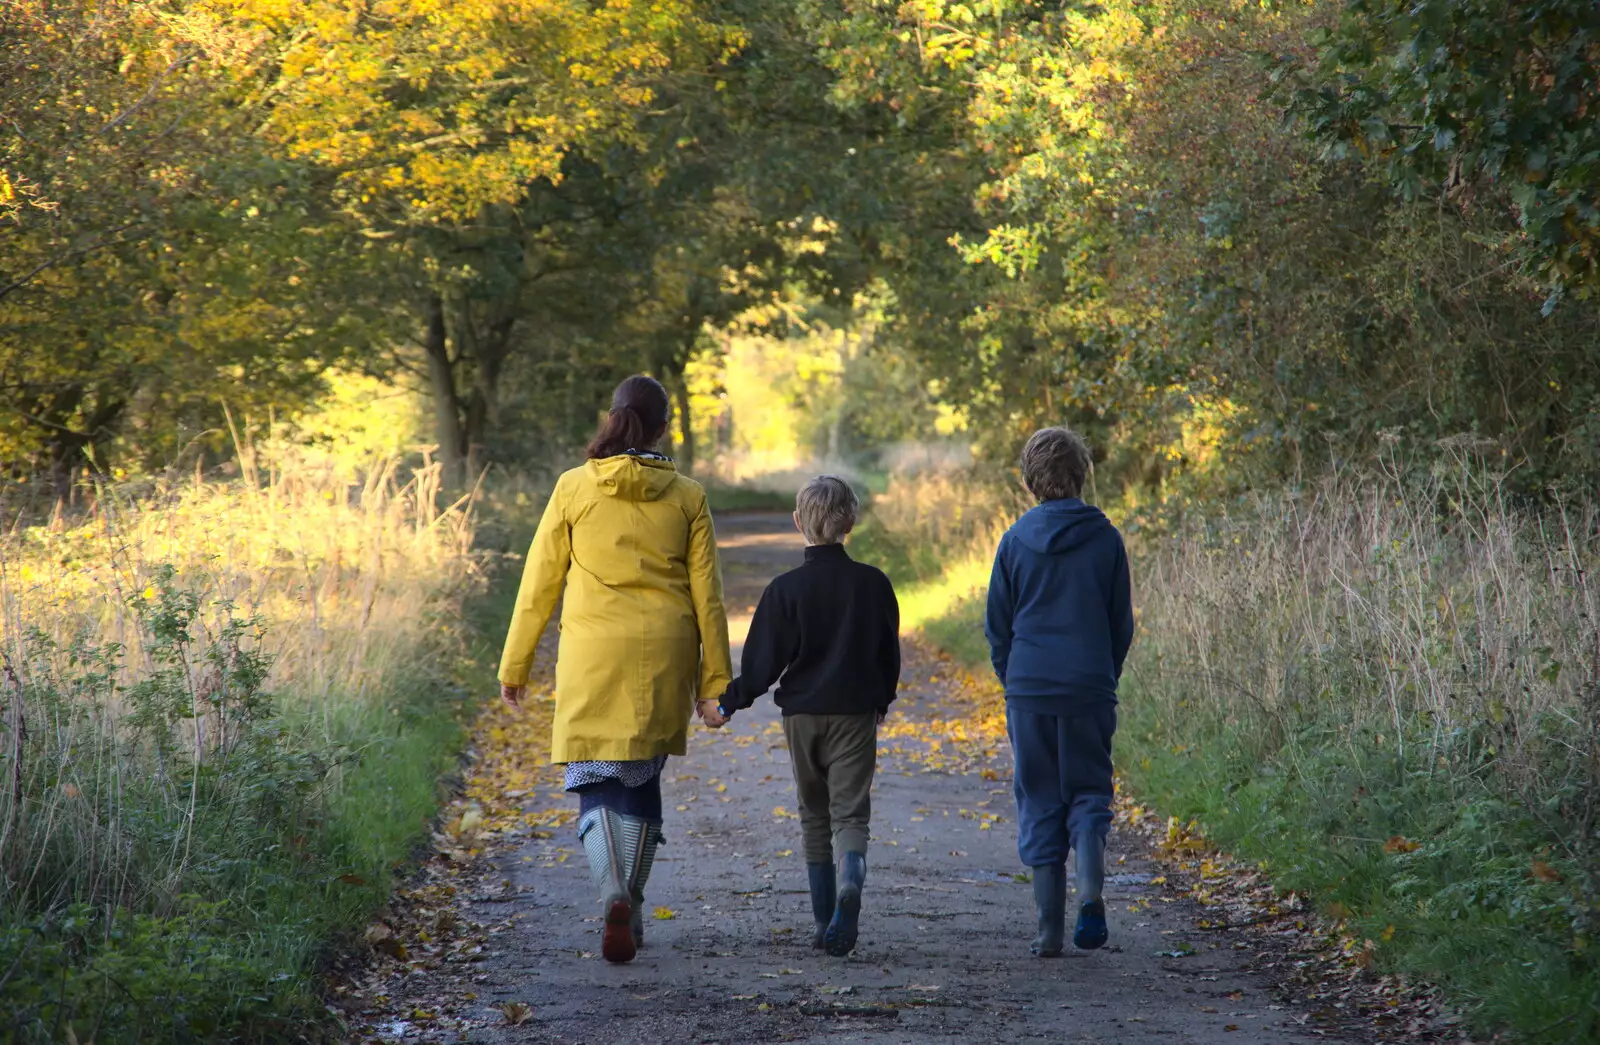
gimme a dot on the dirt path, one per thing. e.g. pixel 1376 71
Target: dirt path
pixel 945 928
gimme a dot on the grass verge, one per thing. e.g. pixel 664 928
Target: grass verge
pixel 1387 694
pixel 226 712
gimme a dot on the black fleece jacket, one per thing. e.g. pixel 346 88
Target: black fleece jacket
pixel 828 633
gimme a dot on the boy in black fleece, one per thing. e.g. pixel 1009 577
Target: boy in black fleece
pixel 1060 621
pixel 828 633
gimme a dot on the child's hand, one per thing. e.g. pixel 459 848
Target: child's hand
pixel 707 710
pixel 513 695
pixel 883 715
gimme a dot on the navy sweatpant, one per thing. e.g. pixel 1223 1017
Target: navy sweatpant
pixel 1062 778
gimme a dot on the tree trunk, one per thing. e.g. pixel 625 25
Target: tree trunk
pixel 680 392
pixel 446 403
pixel 483 405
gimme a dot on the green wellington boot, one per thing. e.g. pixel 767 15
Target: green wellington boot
pixel 824 896
pixel 1050 897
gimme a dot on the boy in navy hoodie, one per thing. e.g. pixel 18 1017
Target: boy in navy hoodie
pixel 1060 620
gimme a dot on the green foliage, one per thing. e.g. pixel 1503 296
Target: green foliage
pixel 1382 690
pixel 176 870
pixel 1495 97
pixel 178 978
pixel 155 255
pixel 1146 251
pixel 1484 905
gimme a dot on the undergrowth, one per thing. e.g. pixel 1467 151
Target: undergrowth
pixel 1385 689
pixel 226 710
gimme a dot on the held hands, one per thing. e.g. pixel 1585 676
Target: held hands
pixel 513 695
pixel 707 710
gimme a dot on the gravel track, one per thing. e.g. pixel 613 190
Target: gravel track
pixel 945 926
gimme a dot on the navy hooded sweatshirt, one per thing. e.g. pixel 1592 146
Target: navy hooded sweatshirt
pixel 1060 616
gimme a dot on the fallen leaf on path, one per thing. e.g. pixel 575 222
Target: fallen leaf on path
pixel 516 1013
pixel 665 914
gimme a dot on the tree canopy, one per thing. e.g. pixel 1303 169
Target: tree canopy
pixel 1230 240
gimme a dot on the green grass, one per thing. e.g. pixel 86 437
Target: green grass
pixel 236 956
pixel 747 499
pixel 1416 841
pixel 298 842
pixel 943 602
pixel 1463 909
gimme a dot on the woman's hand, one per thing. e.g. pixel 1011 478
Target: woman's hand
pixel 707 710
pixel 513 695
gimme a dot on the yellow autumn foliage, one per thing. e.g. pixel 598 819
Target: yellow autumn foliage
pixel 429 110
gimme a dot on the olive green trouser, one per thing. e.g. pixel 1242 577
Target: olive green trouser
pixel 834 757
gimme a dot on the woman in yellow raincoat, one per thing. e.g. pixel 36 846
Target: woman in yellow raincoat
pixel 644 640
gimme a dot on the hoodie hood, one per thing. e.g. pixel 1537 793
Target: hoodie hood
pixel 632 478
pixel 1059 526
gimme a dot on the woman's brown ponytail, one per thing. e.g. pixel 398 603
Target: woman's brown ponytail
pixel 639 412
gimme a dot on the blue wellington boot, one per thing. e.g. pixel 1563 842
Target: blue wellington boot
pixel 824 895
pixel 1050 898
pixel 1091 933
pixel 840 939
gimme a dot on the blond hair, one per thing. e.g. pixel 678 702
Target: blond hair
pixel 827 509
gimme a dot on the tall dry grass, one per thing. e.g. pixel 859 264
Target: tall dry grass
pixel 1384 686
pixel 1430 614
pixel 935 532
pixel 132 641
pixel 1387 688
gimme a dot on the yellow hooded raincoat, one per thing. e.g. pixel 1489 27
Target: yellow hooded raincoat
pixel 643 630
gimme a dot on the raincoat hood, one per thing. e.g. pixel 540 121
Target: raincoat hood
pixel 632 478
pixel 1059 526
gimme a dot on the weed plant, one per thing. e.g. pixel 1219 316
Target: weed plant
pixel 1385 687
pixel 225 712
